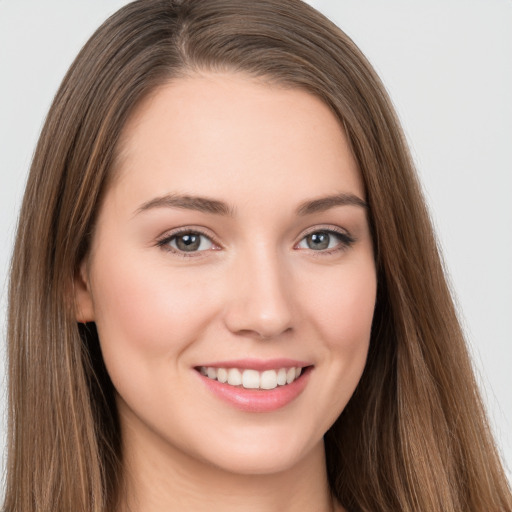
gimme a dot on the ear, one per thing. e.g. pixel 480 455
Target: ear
pixel 84 307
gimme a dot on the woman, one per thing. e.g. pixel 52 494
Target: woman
pixel 223 201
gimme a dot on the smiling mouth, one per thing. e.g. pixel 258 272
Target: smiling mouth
pixel 252 379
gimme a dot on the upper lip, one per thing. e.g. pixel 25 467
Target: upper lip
pixel 258 364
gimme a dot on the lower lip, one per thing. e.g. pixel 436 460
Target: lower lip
pixel 258 400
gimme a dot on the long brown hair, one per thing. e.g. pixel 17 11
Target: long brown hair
pixel 414 435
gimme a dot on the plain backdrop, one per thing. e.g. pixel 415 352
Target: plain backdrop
pixel 448 67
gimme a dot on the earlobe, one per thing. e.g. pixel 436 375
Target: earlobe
pixel 84 308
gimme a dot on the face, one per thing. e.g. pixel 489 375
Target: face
pixel 231 274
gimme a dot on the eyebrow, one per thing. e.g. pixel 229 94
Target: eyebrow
pixel 323 204
pixel 214 206
pixel 201 204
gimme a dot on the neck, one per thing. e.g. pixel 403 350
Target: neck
pixel 161 478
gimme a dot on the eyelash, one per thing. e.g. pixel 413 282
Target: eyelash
pixel 167 239
pixel 345 241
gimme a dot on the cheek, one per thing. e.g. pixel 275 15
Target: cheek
pixel 146 312
pixel 343 315
pixel 344 307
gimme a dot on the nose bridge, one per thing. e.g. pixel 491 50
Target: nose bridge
pixel 260 293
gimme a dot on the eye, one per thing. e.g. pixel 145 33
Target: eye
pixel 324 240
pixel 187 241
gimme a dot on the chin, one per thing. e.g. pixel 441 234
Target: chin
pixel 263 456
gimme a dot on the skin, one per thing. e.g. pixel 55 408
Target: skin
pixel 255 288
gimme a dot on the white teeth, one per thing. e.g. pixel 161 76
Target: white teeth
pixel 234 377
pixel 222 375
pixel 268 379
pixel 252 379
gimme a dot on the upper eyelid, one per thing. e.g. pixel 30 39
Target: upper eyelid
pixel 328 228
pixel 169 234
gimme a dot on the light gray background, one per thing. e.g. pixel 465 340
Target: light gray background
pixel 448 67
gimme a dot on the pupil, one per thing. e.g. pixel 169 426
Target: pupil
pixel 318 241
pixel 188 242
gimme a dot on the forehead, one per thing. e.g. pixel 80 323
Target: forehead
pixel 228 135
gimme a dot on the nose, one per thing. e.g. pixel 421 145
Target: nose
pixel 259 297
